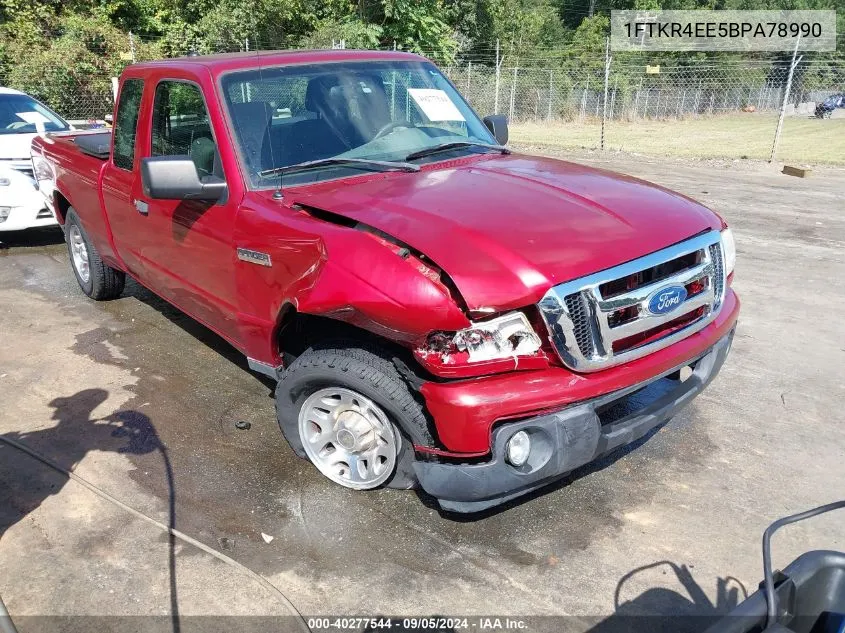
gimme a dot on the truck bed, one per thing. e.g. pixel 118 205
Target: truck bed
pixel 77 160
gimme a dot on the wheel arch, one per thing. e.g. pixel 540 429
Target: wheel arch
pixel 61 205
pixel 296 331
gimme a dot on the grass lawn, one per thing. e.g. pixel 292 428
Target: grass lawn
pixel 803 140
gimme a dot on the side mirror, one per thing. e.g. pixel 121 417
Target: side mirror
pixel 176 178
pixel 498 125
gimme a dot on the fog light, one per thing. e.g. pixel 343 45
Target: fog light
pixel 519 446
pixel 4 213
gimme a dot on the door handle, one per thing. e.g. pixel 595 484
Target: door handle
pixel 142 207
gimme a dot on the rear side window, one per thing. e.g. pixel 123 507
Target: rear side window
pixel 181 126
pixel 126 123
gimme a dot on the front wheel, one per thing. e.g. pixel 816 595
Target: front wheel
pixel 349 412
pixel 348 438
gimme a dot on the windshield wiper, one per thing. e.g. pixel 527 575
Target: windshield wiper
pixel 436 149
pixel 361 163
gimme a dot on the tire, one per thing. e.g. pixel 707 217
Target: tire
pixel 97 280
pixel 370 374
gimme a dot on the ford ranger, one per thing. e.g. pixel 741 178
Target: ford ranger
pixel 437 310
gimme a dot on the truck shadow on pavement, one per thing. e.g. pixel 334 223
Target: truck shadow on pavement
pixel 23 488
pixel 660 609
pixel 197 330
pixel 32 237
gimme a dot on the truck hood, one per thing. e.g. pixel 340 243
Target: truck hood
pixel 507 228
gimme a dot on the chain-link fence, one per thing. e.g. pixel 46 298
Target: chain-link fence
pixel 639 91
pixel 733 108
pixel 722 107
pixel 75 95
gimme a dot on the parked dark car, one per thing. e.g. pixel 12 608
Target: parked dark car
pixel 825 109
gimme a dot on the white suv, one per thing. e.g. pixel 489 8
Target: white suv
pixel 21 119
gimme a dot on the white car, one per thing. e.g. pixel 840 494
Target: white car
pixel 21 118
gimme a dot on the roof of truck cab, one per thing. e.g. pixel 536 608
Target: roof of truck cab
pixel 224 62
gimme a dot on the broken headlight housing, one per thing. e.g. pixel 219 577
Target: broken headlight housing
pixel 507 336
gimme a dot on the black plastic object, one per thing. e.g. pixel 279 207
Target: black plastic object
pixel 768 579
pixel 498 125
pixel 806 597
pixel 97 145
pixel 177 178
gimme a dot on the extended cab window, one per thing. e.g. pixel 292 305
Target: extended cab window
pixel 126 123
pixel 181 126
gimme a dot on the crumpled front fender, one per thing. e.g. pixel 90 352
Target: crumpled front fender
pixel 382 293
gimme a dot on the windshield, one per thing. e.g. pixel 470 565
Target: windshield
pixel 377 110
pixel 19 114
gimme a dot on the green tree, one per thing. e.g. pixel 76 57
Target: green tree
pixel 354 32
pixel 416 25
pixel 72 72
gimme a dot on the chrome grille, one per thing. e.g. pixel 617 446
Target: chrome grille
pixel 718 277
pixel 604 319
pixel 580 323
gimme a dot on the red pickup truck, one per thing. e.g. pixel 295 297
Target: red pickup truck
pixel 437 310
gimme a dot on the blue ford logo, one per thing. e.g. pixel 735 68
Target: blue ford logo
pixel 667 299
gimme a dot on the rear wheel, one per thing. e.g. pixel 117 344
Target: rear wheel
pixel 97 280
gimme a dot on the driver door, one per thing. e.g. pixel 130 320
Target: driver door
pixel 189 242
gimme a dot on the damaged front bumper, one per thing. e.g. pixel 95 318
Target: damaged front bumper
pixel 570 438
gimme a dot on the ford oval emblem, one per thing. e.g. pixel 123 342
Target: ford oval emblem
pixel 667 299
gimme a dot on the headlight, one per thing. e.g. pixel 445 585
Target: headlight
pixel 503 337
pixel 729 247
pixel 5 182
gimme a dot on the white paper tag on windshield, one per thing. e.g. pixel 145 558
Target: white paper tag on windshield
pixel 32 117
pixel 436 104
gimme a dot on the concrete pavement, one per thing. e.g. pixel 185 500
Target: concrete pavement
pixel 141 401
